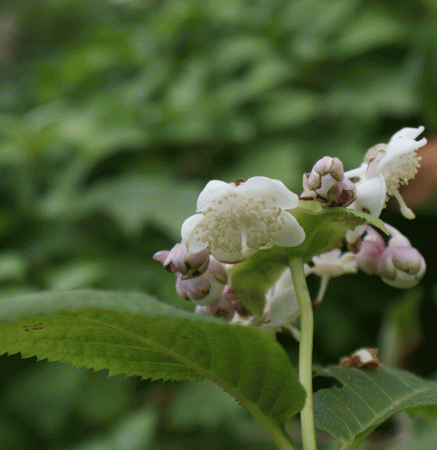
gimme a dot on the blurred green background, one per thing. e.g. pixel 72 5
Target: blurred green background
pixel 113 116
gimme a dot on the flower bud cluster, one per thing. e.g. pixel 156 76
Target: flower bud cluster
pixel 398 264
pixel 199 277
pixel 327 184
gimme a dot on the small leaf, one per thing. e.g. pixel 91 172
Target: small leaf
pixel 136 335
pixel 252 278
pixel 368 397
pixel 326 229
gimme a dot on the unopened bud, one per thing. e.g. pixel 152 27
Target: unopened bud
pixel 327 185
pixel 401 266
pixel 179 261
pixel 223 307
pixel 205 288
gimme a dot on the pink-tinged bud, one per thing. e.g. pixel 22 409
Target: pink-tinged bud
pixel 161 256
pixel 401 266
pixel 348 192
pixel 371 248
pixel 223 307
pixel 179 261
pixel 327 185
pixel 205 288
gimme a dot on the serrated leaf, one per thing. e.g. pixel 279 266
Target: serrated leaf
pixel 367 398
pixel 132 334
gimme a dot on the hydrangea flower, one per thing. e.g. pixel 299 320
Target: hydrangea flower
pixel 237 219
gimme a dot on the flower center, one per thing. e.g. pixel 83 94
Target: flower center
pixel 400 170
pixel 239 222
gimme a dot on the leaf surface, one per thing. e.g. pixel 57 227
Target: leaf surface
pixel 367 398
pixel 132 334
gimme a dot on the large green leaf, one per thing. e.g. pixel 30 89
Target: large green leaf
pixel 367 398
pixel 132 334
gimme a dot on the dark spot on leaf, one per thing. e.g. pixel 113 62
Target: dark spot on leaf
pixel 183 337
pixel 33 327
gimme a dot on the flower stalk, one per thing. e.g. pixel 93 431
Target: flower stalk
pixel 305 351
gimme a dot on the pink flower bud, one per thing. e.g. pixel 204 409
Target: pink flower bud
pixel 223 307
pixel 179 261
pixel 205 288
pixel 327 185
pixel 401 266
pixel 371 248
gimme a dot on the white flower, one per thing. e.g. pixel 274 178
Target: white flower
pixel 386 168
pixel 329 265
pixel 237 219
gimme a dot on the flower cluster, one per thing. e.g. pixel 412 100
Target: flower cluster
pixel 236 220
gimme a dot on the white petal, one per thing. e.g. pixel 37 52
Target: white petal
pixel 284 282
pixel 284 307
pixel 228 257
pixel 213 190
pixel 398 147
pixel 331 256
pixel 353 235
pixel 291 233
pixel 274 189
pixel 371 196
pixel 410 133
pixel 188 235
pixel 358 172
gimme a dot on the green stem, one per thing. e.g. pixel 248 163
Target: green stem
pixel 305 351
pixel 278 435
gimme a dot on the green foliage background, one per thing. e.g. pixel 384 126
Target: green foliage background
pixel 114 114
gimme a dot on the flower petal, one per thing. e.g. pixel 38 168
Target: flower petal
pixel 400 143
pixel 275 189
pixel 214 189
pixel 371 196
pixel 228 257
pixel 189 236
pixel 291 233
pixel 283 308
pixel 410 133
